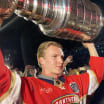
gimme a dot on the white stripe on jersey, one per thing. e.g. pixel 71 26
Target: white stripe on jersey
pixel 14 96
pixel 93 82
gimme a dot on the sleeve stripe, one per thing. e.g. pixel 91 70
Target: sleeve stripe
pixel 93 82
pixel 11 86
pixel 13 94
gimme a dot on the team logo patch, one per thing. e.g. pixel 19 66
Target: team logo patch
pixel 74 87
pixel 67 99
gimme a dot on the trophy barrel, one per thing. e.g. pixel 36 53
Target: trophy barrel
pixel 79 20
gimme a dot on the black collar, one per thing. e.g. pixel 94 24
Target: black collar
pixel 50 79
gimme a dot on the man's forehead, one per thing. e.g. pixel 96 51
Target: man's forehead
pixel 54 50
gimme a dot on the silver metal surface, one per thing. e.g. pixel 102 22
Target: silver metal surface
pixel 79 20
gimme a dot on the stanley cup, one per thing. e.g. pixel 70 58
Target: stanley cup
pixel 79 20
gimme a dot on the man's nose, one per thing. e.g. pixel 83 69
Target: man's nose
pixel 61 60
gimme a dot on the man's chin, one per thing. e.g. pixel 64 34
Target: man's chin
pixel 60 74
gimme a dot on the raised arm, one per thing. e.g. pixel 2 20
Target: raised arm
pixel 10 84
pixel 4 77
pixel 96 67
pixel 67 60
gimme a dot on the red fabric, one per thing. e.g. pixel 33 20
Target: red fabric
pixel 5 76
pixel 97 66
pixel 1 59
pixel 36 91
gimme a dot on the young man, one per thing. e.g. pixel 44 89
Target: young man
pixel 51 87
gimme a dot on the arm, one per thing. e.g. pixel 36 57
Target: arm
pixel 25 72
pixel 67 60
pixel 96 67
pixel 91 48
pixel 4 76
pixel 10 84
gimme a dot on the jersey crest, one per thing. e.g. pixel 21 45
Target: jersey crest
pixel 74 87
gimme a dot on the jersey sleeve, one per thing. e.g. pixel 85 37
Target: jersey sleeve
pixel 88 82
pixel 5 77
pixel 10 84
pixel 95 73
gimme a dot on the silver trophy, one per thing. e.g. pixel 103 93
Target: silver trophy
pixel 79 20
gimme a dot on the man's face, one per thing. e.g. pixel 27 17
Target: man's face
pixel 32 71
pixel 52 62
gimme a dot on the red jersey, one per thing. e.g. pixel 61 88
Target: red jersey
pixel 30 90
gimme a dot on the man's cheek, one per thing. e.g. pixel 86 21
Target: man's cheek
pixel 52 62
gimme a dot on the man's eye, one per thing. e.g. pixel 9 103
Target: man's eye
pixel 55 56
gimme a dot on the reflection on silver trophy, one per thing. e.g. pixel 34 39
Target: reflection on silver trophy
pixel 79 20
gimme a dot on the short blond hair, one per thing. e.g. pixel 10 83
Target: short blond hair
pixel 43 46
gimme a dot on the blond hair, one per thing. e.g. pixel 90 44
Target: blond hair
pixel 43 46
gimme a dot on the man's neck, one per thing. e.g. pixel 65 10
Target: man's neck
pixel 55 76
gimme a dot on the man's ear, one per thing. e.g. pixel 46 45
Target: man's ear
pixel 41 60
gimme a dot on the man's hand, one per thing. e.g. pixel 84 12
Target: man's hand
pixel 67 60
